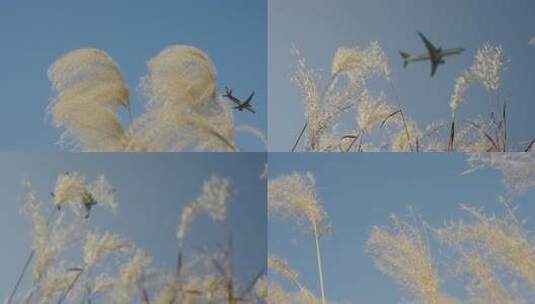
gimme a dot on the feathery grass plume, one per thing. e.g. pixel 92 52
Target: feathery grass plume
pixel 487 69
pixel 503 241
pixel 403 139
pixel 90 87
pixel 49 239
pixel 55 283
pixel 213 201
pixel 99 247
pixel 281 267
pixel 183 109
pixel 518 169
pixel 130 280
pixel 402 253
pixel 532 41
pixel 295 196
pixel 253 131
pixel 324 106
pixel 360 64
pixel 484 285
pixel 72 189
pixel 372 111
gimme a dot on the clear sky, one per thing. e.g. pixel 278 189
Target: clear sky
pixel 360 191
pixel 151 190
pixel 34 34
pixel 318 27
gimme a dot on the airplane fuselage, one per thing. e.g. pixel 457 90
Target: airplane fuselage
pixel 436 55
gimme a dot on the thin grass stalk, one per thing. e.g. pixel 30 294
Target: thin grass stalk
pixel 28 260
pixel 318 259
pixel 504 129
pixel 64 296
pixel 299 137
pixel 401 113
pixel 451 142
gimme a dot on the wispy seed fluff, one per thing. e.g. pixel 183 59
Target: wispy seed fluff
pixel 132 273
pixel 487 69
pixel 372 111
pixel 183 109
pixel 359 64
pixel 71 188
pixel 99 247
pixel 213 201
pixel 89 87
pixel 281 267
pixel 401 253
pixel 518 169
pixel 295 196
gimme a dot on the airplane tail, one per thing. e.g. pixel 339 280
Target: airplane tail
pixel 405 58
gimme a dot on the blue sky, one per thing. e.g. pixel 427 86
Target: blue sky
pixel 318 27
pixel 151 190
pixel 360 191
pixel 34 34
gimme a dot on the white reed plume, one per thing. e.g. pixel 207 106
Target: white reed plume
pixel 183 109
pixel 282 268
pixel 504 241
pixel 405 136
pixel 55 283
pixel 489 63
pixel 131 278
pixel 518 169
pixel 484 285
pixel 89 87
pixel 213 201
pixel 402 253
pixel 99 247
pixel 324 105
pixel 71 188
pixel 295 196
pixel 360 64
pixel 372 111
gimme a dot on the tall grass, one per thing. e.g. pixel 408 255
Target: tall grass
pixel 72 261
pixel 381 122
pixel 183 110
pixel 295 197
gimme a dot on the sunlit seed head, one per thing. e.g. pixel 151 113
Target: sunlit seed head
pixel 295 196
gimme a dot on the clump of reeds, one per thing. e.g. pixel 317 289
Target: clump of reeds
pixel 74 262
pixel 487 251
pixel 382 125
pixel 183 110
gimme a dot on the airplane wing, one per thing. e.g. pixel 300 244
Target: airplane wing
pixel 250 98
pixel 434 66
pixel 430 47
pixel 250 109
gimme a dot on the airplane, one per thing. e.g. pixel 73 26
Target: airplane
pixel 246 105
pixel 434 54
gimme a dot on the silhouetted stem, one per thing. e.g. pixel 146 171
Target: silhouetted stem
pixel 299 137
pixel 401 113
pixel 70 287
pixel 28 260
